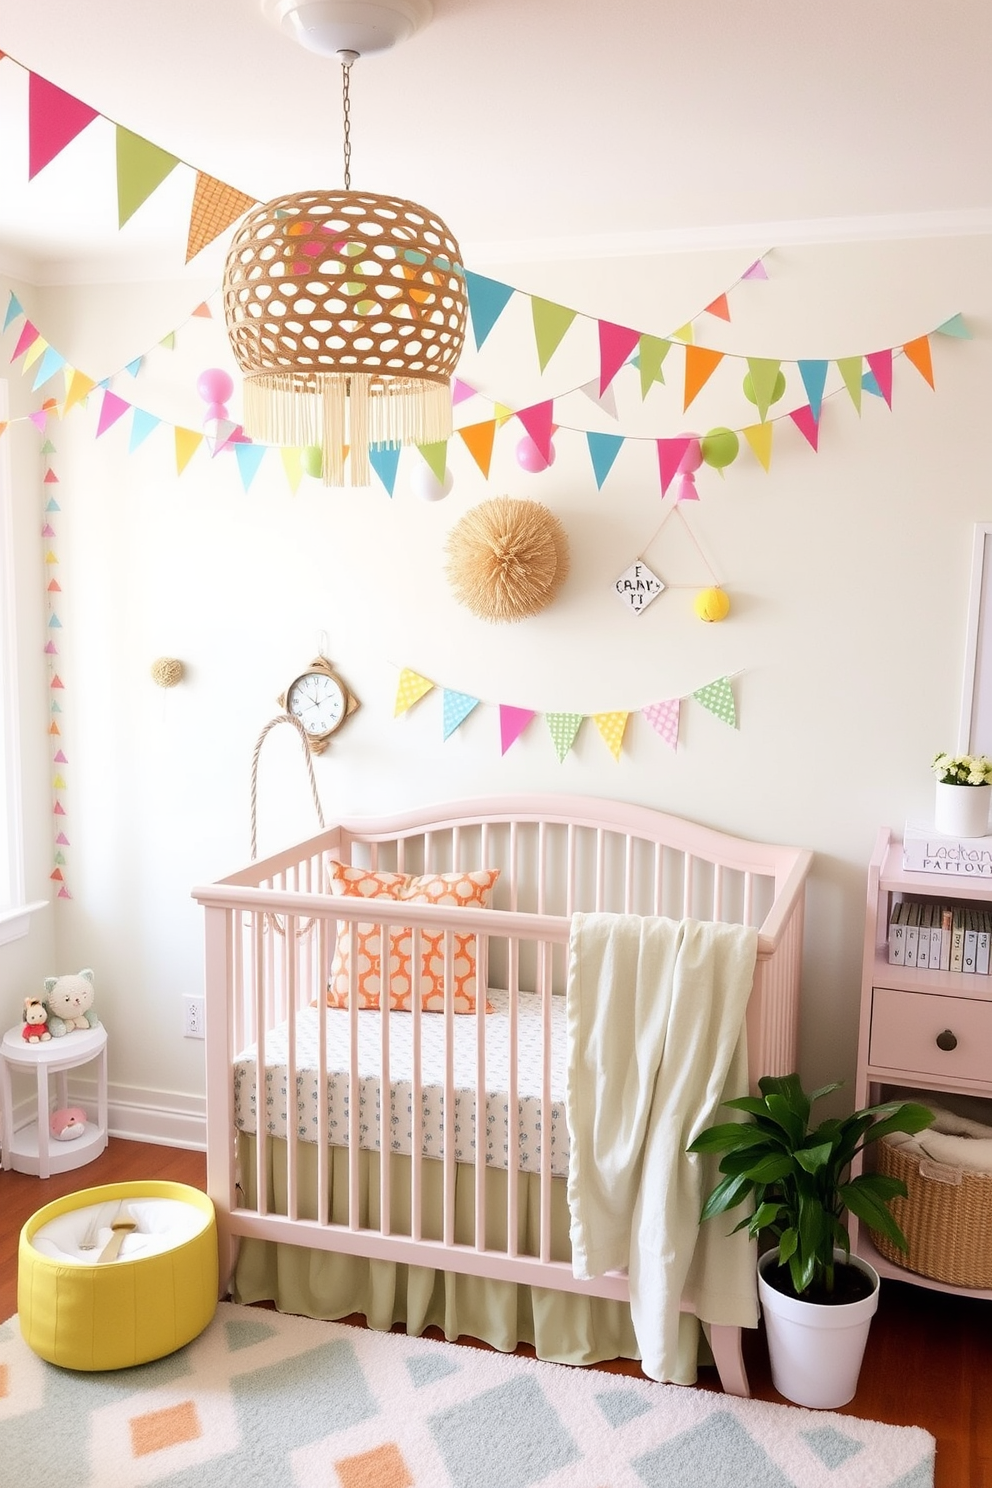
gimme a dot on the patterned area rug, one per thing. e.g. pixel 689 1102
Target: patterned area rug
pixel 260 1400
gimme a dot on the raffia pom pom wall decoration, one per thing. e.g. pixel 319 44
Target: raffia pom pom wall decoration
pixel 507 559
pixel 167 671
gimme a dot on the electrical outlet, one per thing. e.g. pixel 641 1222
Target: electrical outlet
pixel 194 1018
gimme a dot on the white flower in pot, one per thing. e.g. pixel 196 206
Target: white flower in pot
pixel 963 794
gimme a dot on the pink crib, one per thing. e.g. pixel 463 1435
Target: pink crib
pixel 298 1094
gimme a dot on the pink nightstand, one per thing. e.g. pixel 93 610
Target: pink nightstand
pixel 32 1149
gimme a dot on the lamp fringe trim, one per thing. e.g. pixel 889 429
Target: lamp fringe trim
pixel 339 411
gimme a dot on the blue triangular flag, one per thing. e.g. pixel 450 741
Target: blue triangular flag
pixel 51 362
pixel 869 383
pixel 603 450
pixel 53 505
pixel 384 459
pixel 249 457
pixel 135 366
pixel 55 623
pixel 142 424
pixel 954 327
pixel 814 375
pixel 487 299
pixel 13 310
pixel 457 707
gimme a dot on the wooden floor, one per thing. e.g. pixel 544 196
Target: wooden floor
pixel 929 1358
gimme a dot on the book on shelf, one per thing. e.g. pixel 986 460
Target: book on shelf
pixel 927 851
pixel 940 936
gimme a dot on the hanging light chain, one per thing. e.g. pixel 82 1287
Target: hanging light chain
pixel 347 58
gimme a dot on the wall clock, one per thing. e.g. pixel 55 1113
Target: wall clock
pixel 321 700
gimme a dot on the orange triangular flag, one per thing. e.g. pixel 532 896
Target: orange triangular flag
pixel 478 440
pixel 188 442
pixel 3 426
pixel 215 206
pixel 759 437
pixel 918 352
pixel 719 307
pixel 203 310
pixel 700 364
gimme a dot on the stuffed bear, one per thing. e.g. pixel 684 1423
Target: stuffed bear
pixel 35 1020
pixel 70 1002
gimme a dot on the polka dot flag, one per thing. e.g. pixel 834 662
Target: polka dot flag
pixel 563 728
pixel 612 726
pixel 718 697
pixel 410 689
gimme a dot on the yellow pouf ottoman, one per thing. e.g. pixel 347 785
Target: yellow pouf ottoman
pixel 157 1295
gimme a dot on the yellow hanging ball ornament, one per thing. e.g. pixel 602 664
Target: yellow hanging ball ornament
pixel 712 604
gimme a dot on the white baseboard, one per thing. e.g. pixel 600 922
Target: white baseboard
pixel 162 1117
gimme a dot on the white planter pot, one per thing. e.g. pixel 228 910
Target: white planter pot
pixel 815 1349
pixel 962 810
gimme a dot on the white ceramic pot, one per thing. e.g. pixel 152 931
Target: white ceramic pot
pixel 816 1349
pixel 962 810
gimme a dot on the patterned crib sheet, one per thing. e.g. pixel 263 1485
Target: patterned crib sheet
pixel 432 1059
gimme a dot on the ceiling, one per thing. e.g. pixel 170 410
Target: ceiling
pixel 535 128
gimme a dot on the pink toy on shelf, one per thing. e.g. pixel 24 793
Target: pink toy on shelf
pixel 68 1124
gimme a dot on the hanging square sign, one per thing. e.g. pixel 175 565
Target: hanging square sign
pixel 637 586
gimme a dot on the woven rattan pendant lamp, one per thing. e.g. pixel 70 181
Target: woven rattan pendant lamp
pixel 345 310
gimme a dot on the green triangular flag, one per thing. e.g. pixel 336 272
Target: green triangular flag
pixel 651 352
pixel 141 166
pixel 551 321
pixel 48 448
pixel 564 727
pixel 850 369
pixel 954 327
pixel 436 456
pixel 718 697
pixel 763 372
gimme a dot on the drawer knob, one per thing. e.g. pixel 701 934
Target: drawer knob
pixel 946 1040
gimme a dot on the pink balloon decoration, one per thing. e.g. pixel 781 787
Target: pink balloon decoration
pixel 693 457
pixel 215 385
pixel 215 411
pixel 529 457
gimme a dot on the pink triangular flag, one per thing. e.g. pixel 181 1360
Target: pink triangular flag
pixel 111 409
pixel 58 809
pixel 756 271
pixel 664 719
pixel 537 422
pixel 62 840
pixel 512 722
pixel 50 649
pixel 28 336
pixel 48 530
pixel 880 363
pixel 670 455
pixel 616 342
pixel 60 758
pixel 806 423
pixel 460 391
pixel 64 893
pixel 51 479
pixel 39 418
pixel 54 120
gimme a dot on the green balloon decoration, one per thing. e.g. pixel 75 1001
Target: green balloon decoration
pixel 719 447
pixel 310 459
pixel 778 390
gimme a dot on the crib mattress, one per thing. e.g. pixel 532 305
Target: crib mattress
pixel 401 1124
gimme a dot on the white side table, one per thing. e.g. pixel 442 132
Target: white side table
pixel 32 1149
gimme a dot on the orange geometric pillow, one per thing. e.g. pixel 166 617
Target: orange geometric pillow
pixel 472 888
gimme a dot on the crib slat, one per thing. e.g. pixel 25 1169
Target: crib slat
pixel 323 1132
pixel 545 990
pixel 385 1084
pixel 513 1100
pixel 448 1222
pixel 354 1083
pixel 481 1101
pixel 416 1098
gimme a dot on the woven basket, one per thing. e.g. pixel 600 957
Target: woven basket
pixel 946 1217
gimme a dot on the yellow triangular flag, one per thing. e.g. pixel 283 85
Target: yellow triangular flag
pixel 684 333
pixel 292 463
pixel 850 369
pixel 141 167
pixel 502 413
pixel 50 557
pixel 77 387
pixel 34 352
pixel 188 442
pixel 612 726
pixel 411 688
pixel 759 437
pixel 58 783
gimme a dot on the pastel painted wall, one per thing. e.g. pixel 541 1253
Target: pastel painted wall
pixel 848 571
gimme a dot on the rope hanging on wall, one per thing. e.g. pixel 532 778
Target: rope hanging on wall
pixel 273 919
pixel 507 559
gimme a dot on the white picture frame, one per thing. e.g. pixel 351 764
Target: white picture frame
pixel 975 729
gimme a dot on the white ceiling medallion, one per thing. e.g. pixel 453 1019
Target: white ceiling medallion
pixel 362 26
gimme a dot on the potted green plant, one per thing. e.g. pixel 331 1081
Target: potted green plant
pixel 817 1299
pixel 963 794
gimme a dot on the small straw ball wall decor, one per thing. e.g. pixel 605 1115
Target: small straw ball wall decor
pixel 507 559
pixel 167 671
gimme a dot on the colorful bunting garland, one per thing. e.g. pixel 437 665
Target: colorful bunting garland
pixel 56 686
pixel 717 697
